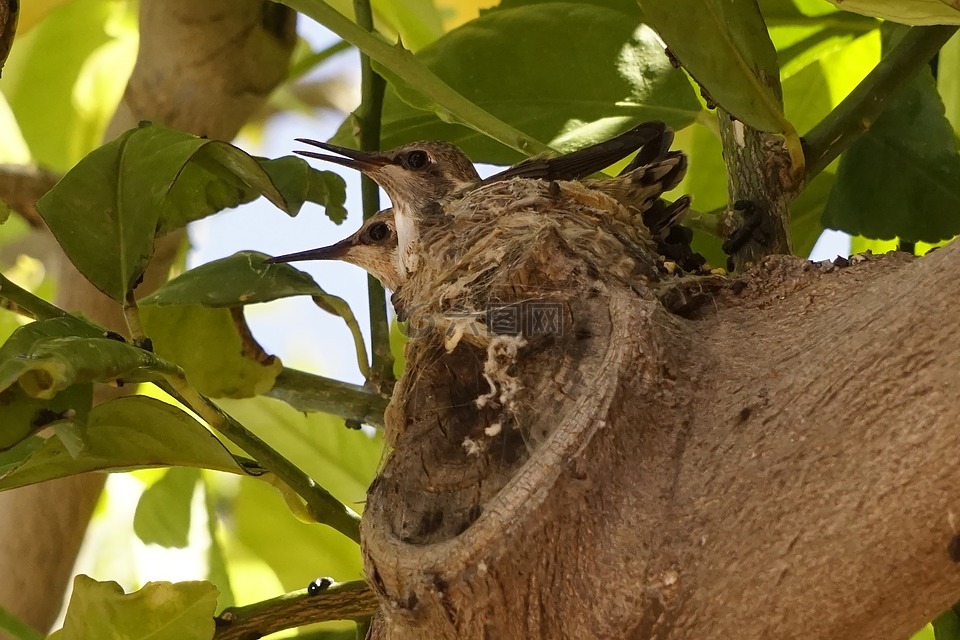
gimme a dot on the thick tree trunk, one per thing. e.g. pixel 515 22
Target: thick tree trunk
pixel 204 68
pixel 782 465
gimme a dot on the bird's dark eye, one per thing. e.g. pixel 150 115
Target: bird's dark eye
pixel 416 160
pixel 378 231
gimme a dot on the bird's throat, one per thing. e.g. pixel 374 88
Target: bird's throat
pixel 408 240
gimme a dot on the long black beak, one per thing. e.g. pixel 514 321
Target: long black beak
pixel 359 160
pixel 333 252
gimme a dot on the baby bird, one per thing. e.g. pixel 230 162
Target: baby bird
pixel 420 176
pixel 372 247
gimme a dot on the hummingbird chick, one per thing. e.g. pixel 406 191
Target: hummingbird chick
pixel 373 248
pixel 420 176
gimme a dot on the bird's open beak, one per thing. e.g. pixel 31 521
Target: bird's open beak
pixel 367 162
pixel 333 252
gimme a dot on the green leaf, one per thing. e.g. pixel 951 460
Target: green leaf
pixel 500 62
pixel 726 48
pixel 299 183
pixel 261 519
pixel 213 347
pixel 106 210
pixel 54 364
pixel 914 12
pixel 24 415
pixel 133 432
pixel 37 387
pixel 342 460
pixel 241 279
pixel 902 177
pixel 158 611
pixel 163 512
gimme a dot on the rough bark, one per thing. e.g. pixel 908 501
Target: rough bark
pixel 781 465
pixel 204 68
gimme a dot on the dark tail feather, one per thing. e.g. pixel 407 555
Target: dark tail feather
pixel 650 152
pixel 651 138
pixel 662 217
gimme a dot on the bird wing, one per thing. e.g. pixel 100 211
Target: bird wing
pixel 651 138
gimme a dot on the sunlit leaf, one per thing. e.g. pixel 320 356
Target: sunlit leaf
pixel 418 22
pixel 261 518
pixel 216 559
pixel 158 611
pixel 810 92
pixel 213 347
pixel 341 460
pixel 499 61
pixel 726 47
pixel 915 12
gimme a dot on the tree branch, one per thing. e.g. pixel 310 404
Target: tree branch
pixel 859 110
pixel 310 393
pixel 343 601
pixel 21 186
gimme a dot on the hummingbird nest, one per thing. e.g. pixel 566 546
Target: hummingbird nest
pixel 498 246
pixel 503 269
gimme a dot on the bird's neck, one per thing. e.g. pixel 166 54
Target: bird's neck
pixel 408 239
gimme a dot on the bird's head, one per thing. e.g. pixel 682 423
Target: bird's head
pixel 414 175
pixel 373 248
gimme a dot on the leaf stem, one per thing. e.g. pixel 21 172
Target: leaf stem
pixel 321 506
pixel 131 313
pixel 401 63
pixel 367 117
pixel 859 110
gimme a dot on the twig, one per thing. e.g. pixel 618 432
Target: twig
pixel 311 393
pixel 21 186
pixel 343 601
pixel 320 505
pixel 859 110
pixel 368 115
